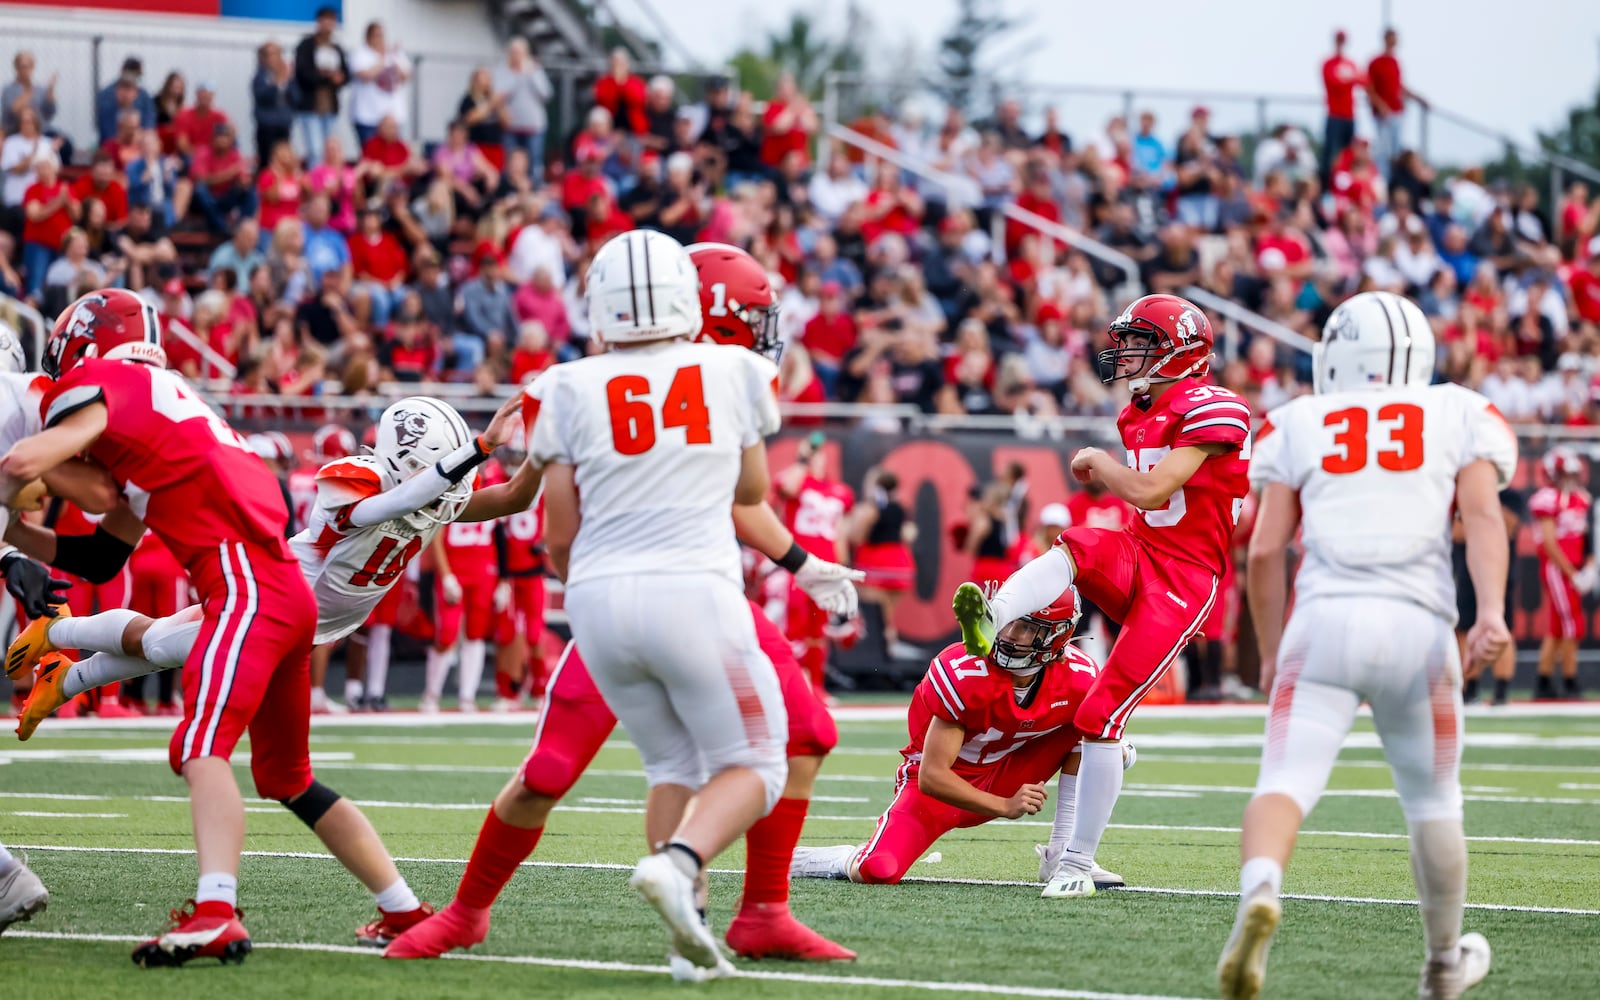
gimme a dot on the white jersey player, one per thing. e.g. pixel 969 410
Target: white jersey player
pixel 372 515
pixel 1370 467
pixel 645 449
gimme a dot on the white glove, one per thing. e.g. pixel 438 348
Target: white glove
pixel 1587 578
pixel 450 588
pixel 502 595
pixel 832 586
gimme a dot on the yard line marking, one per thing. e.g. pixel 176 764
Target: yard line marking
pixel 1573 786
pixel 603 866
pixel 594 965
pixel 1369 793
pixel 1466 765
pixel 61 815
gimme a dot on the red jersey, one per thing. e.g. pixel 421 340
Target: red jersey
pixel 524 533
pixel 1384 74
pixel 1107 511
pixel 193 481
pixel 814 515
pixel 981 698
pixel 470 548
pixel 1340 77
pixel 1196 525
pixel 303 493
pixel 1570 511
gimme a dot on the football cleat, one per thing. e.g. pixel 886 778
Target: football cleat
pixel 685 971
pixel 1243 966
pixel 1447 982
pixel 773 932
pixel 194 935
pixel 1069 882
pixel 32 644
pixel 428 704
pixel 389 926
pixel 21 895
pixel 455 926
pixel 664 886
pixel 975 618
pixel 1050 863
pixel 46 696
pixel 822 862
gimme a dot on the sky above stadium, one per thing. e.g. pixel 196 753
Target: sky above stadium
pixel 1515 65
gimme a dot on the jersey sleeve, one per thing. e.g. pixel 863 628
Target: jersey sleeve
pixel 69 395
pixel 1489 438
pixel 1272 455
pixel 1211 416
pixel 542 415
pixel 762 391
pixel 1545 503
pixel 942 681
pixel 343 483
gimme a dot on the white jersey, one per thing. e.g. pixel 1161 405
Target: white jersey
pixel 20 393
pixel 351 568
pixel 1376 473
pixel 655 434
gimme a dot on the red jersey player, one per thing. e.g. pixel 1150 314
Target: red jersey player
pixel 330 442
pixel 1188 445
pixel 190 478
pixel 815 510
pixel 739 309
pixel 160 588
pixel 1561 517
pixel 520 635
pixel 466 581
pixel 985 736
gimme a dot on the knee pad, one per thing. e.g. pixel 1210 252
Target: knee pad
pixel 814 735
pixel 1090 719
pixel 550 773
pixel 1282 781
pixel 880 868
pixel 774 772
pixel 312 804
pixel 1429 801
pixel 168 640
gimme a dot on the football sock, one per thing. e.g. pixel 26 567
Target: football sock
pixel 1439 864
pixel 503 687
pixel 473 654
pixel 1258 872
pixel 168 640
pixel 686 858
pixel 398 898
pixel 378 639
pixel 352 691
pixel 101 669
pixel 435 670
pixel 769 846
pixel 1099 784
pixel 218 889
pixel 101 633
pixel 1034 586
pixel 1502 689
pixel 501 847
pixel 1066 811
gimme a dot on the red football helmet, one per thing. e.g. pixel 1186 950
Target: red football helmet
pixel 1562 464
pixel 1039 639
pixel 107 323
pixel 1178 342
pixel 736 299
pixel 332 441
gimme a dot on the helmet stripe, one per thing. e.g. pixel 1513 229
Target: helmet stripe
pixel 1405 320
pixel 649 284
pixel 445 413
pixel 1383 306
pixel 633 285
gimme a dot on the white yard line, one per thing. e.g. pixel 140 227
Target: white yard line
pixel 591 965
pixel 601 866
pixel 60 815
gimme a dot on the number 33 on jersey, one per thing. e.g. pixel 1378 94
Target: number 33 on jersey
pixel 1196 525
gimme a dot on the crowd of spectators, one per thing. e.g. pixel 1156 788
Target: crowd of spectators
pixel 320 267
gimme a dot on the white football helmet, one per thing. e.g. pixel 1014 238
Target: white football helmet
pixel 1373 341
pixel 413 435
pixel 12 358
pixel 643 286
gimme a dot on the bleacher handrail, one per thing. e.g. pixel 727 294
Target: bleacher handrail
pixel 1212 302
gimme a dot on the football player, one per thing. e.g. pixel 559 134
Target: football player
pixel 1366 472
pixel 21 893
pixel 986 734
pixel 467 599
pixel 1561 516
pixel 738 309
pixel 815 507
pixel 1188 446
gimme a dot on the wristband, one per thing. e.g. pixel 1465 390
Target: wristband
pixel 794 558
pixel 458 472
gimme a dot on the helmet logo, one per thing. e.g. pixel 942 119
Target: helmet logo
pixel 88 313
pixel 1188 329
pixel 1342 326
pixel 409 428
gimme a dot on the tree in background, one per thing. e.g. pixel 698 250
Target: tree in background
pixel 963 80
pixel 801 47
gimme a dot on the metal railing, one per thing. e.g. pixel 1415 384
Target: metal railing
pixel 1254 322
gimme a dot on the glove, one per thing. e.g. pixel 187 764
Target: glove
pixel 31 584
pixel 832 586
pixel 1586 579
pixel 450 588
pixel 502 595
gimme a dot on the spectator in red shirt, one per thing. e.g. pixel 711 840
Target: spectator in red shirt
pixel 103 184
pixel 407 353
pixel 1340 77
pixel 1578 221
pixel 1356 180
pixel 279 186
pixel 195 125
pixel 124 146
pixel 221 182
pixel 579 185
pixel 622 93
pixel 891 207
pixel 787 124
pixel 1585 285
pixel 1387 93
pixel 379 264
pixel 829 335
pixel 533 354
pixel 392 163
pixel 48 210
pixel 1037 198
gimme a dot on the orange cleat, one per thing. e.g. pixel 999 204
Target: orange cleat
pixel 46 696
pixel 32 644
pixel 389 926
pixel 455 926
pixel 773 932
pixel 196 935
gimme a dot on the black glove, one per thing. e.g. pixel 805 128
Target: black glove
pixel 31 584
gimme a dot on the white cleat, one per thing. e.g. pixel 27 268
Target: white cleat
pixel 1050 863
pixel 1069 882
pixel 1447 982
pixel 21 895
pixel 428 704
pixel 1243 966
pixel 822 862
pixel 468 708
pixel 336 708
pixel 685 971
pixel 503 706
pixel 1106 880
pixel 665 887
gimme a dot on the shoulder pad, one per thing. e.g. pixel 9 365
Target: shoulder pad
pixel 349 480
